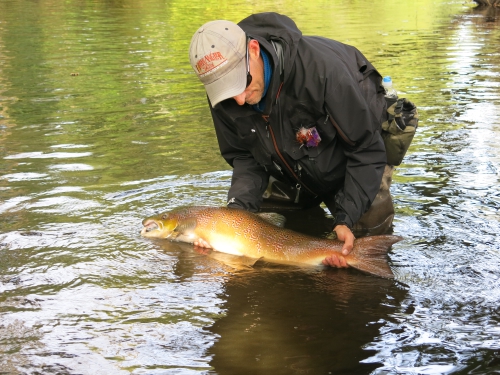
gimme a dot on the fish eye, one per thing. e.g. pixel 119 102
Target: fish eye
pixel 164 217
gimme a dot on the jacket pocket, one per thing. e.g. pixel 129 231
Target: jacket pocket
pixel 307 120
pixel 254 140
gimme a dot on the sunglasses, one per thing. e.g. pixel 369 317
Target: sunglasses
pixel 249 76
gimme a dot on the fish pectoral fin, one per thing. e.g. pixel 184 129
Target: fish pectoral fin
pixel 173 236
pixel 248 261
pixel 183 232
pixel 186 225
pixel 235 261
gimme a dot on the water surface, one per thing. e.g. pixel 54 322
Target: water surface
pixel 103 122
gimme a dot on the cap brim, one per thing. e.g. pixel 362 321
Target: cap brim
pixel 231 84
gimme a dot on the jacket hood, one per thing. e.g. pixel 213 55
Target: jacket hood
pixel 273 26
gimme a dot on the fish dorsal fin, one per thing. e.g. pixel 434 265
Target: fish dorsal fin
pixel 273 218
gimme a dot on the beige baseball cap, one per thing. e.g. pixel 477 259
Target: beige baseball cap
pixel 218 56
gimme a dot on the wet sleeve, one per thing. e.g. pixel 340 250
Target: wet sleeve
pixel 352 108
pixel 249 180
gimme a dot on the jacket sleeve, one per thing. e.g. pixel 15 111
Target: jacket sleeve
pixel 357 110
pixel 250 179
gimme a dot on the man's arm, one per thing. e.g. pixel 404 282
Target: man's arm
pixel 356 104
pixel 250 179
pixel 357 113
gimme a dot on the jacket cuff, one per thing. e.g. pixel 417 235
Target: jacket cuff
pixel 235 203
pixel 342 219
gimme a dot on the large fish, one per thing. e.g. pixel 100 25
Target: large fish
pixel 239 232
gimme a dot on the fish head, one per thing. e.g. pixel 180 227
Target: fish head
pixel 160 226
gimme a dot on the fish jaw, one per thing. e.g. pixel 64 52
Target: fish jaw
pixel 169 227
pixel 154 228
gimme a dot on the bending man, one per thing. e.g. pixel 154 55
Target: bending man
pixel 300 111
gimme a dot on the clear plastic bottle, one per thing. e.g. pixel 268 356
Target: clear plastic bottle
pixel 390 91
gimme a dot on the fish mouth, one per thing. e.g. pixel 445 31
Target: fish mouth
pixel 149 226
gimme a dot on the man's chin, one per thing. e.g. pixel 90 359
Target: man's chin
pixel 253 101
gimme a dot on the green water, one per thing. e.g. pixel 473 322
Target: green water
pixel 103 122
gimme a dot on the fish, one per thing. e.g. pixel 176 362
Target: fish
pixel 242 233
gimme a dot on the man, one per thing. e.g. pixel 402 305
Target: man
pixel 305 111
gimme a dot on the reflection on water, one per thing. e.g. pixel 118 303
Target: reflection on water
pixel 286 321
pixel 103 123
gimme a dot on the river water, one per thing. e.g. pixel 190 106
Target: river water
pixel 102 123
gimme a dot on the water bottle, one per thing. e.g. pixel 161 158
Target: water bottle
pixel 390 92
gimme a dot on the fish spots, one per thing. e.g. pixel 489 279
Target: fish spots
pixel 236 222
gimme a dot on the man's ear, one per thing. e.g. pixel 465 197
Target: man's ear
pixel 254 48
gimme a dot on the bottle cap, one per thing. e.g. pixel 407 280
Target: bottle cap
pixel 387 79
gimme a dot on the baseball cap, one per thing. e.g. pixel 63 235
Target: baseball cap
pixel 217 54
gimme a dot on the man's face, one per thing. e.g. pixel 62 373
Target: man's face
pixel 253 93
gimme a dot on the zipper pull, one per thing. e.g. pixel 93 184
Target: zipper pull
pixel 298 193
pixel 326 119
pixel 298 169
pixel 276 165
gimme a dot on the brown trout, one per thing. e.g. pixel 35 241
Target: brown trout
pixel 242 233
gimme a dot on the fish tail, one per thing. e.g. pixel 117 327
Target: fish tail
pixel 369 255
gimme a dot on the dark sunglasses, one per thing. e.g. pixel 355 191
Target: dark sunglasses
pixel 249 76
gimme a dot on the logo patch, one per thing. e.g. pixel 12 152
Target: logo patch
pixel 210 63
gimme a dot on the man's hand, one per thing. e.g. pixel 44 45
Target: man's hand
pixel 343 234
pixel 202 243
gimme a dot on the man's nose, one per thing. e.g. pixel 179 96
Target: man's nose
pixel 240 99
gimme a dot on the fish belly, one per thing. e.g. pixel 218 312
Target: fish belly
pixel 227 245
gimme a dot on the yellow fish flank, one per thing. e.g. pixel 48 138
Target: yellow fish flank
pixel 243 233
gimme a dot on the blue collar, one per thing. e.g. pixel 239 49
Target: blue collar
pixel 268 72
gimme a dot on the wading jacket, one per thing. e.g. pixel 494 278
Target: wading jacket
pixel 321 83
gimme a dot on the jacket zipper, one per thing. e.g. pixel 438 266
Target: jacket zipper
pixel 290 169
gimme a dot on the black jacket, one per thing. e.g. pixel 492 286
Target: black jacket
pixel 324 84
